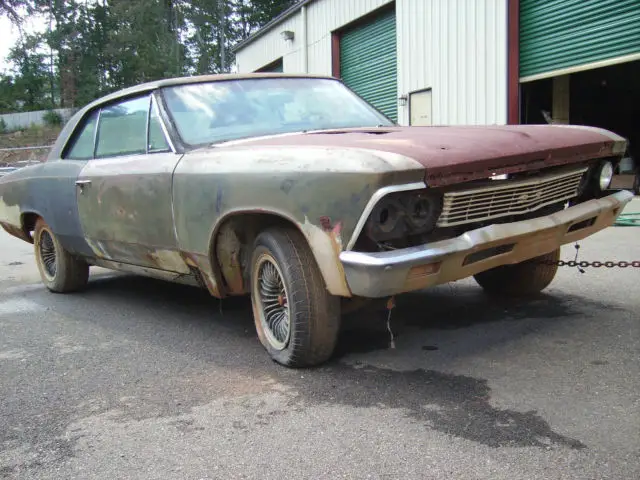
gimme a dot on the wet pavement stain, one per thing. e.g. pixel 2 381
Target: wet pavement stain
pixel 456 405
pixel 429 348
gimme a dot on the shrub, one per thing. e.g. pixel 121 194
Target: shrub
pixel 3 126
pixel 52 118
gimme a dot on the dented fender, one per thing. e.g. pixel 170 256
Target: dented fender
pixel 322 192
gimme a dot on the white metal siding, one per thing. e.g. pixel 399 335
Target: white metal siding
pixel 326 16
pixel 458 48
pixel 323 17
pixel 271 46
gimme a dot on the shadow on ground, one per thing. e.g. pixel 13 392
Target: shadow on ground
pixel 209 348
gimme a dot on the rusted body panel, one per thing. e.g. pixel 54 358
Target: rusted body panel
pixel 458 154
pixel 127 211
pixel 190 215
pixel 47 190
pixel 322 191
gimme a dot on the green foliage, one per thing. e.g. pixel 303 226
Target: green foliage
pixel 93 48
pixel 3 126
pixel 52 118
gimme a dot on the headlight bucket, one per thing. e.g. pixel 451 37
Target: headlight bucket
pixel 403 213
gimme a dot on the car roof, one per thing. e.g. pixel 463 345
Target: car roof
pixel 73 122
pixel 170 82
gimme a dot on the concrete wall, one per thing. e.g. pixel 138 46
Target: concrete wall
pixel 16 121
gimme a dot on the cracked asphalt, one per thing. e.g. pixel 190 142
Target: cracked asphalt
pixel 139 379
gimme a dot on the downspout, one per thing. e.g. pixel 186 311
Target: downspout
pixel 513 62
pixel 305 50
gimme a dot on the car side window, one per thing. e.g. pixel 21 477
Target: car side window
pixel 157 140
pixel 122 128
pixel 82 148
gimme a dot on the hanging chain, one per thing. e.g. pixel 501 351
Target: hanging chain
pixel 595 264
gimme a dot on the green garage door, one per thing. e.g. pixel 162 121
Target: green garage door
pixel 368 62
pixel 559 34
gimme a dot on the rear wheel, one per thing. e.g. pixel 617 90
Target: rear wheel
pixel 521 279
pixel 60 271
pixel 296 318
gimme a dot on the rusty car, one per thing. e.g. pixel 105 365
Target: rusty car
pixel 295 191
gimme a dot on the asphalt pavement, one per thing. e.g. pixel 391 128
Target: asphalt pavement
pixel 139 379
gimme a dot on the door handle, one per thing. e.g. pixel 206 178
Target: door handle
pixel 82 184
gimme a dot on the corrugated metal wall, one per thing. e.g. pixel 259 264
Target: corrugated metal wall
pixel 323 17
pixel 369 62
pixel 458 48
pixel 271 46
pixel 560 34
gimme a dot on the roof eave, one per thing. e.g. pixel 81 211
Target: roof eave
pixel 293 9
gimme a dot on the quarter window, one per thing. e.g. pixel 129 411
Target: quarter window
pixel 122 129
pixel 83 144
pixel 157 140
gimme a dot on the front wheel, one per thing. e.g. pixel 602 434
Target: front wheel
pixel 60 271
pixel 526 278
pixel 296 318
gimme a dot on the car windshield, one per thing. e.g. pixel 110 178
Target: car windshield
pixel 214 112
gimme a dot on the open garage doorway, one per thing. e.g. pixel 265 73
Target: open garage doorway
pixel 607 97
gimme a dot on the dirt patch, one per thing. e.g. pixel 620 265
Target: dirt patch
pixel 30 137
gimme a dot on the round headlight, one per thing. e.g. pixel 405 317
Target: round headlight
pixel 605 176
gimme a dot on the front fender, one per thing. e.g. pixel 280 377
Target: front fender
pixel 323 192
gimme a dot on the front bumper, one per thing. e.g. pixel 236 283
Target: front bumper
pixel 381 274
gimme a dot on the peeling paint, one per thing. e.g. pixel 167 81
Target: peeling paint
pixel 170 260
pixel 326 247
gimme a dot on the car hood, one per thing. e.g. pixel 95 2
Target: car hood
pixel 453 154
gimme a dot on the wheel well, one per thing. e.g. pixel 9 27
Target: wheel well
pixel 29 224
pixel 231 246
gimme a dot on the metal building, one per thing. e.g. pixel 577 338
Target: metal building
pixel 410 58
pixel 425 62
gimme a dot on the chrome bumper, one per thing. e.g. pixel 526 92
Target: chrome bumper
pixel 381 274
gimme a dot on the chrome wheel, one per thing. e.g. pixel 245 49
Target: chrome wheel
pixel 273 302
pixel 48 255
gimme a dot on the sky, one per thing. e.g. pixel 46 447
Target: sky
pixel 10 35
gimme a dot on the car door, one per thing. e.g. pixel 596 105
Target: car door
pixel 124 191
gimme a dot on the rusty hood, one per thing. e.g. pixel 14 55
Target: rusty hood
pixel 453 154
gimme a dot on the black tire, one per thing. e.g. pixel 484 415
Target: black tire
pixel 521 279
pixel 60 271
pixel 313 313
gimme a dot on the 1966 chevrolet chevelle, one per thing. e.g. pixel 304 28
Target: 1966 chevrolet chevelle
pixel 296 191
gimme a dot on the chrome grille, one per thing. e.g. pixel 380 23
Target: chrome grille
pixel 508 198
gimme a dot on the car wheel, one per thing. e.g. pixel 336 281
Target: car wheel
pixel 525 278
pixel 296 318
pixel 60 271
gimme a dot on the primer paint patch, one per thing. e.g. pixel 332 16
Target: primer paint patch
pixel 9 213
